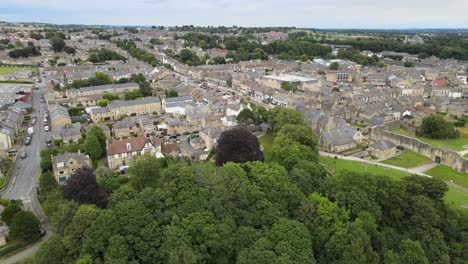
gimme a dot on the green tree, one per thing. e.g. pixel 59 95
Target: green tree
pixel 10 211
pixel 92 147
pixel 287 242
pixel 282 116
pixel 52 252
pixel 172 93
pixel 111 97
pixel 412 253
pixel 57 44
pixel 299 133
pixel 24 226
pixel 289 86
pixel 246 117
pixel 96 131
pixel 334 66
pixel 103 102
pixel 145 172
pixel 81 221
pixel 308 175
pixel 288 153
pixel 435 126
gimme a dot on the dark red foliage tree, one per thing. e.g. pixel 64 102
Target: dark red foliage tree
pixel 83 188
pixel 237 145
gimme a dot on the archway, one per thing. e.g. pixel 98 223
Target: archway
pixel 438 159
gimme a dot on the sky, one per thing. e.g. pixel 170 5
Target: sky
pixel 386 14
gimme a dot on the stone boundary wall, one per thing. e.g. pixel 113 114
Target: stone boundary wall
pixel 444 156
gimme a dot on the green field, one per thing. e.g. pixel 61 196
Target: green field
pixel 466 155
pixel 455 197
pixel 446 173
pixel 407 159
pixel 267 142
pixel 455 143
pixel 8 69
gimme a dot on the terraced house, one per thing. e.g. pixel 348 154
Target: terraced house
pixel 89 96
pixel 145 106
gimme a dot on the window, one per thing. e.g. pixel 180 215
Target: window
pixel 71 162
pixel 62 179
pixel 61 172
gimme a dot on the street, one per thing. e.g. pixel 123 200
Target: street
pixel 23 181
pixel 26 171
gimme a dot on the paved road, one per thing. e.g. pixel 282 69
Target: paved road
pixel 24 178
pixel 26 171
pixel 418 171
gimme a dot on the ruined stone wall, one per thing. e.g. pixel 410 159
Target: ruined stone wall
pixel 445 156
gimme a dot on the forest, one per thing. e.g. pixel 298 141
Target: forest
pixel 245 209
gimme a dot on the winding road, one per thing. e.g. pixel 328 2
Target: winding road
pixel 24 178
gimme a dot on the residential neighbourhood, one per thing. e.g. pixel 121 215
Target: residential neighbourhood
pixel 123 95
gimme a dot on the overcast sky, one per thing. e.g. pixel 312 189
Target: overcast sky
pixel 299 13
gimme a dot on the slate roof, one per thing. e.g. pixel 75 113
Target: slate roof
pixel 145 100
pixel 99 110
pixel 341 135
pixel 383 145
pixel 108 87
pixel 137 144
pixel 63 158
pixel 178 99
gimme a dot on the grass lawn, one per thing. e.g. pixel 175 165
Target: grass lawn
pixel 6 70
pixel 407 159
pixel 455 197
pixel 267 142
pixel 357 166
pixel 455 143
pixel 466 155
pixel 446 173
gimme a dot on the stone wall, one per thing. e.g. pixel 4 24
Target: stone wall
pixel 444 156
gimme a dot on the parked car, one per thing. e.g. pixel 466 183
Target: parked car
pixel 27 141
pixel 46 128
pixel 24 155
pixel 33 122
pixel 42 232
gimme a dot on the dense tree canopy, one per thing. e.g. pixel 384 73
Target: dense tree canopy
pixel 103 55
pixel 286 210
